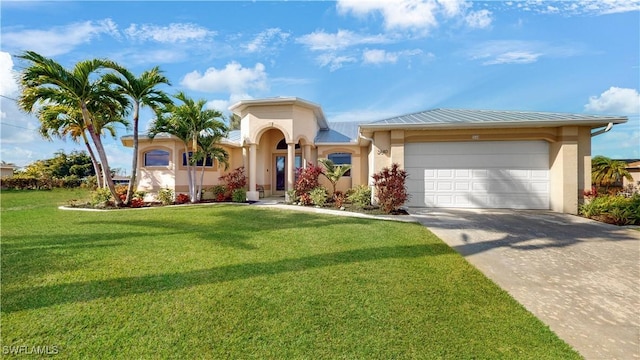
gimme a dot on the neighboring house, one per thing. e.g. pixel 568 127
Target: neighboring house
pixel 120 180
pixel 454 158
pixel 6 170
pixel 633 167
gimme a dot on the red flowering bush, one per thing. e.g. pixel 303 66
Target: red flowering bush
pixel 182 199
pixel 307 180
pixel 391 190
pixel 137 203
pixel 234 180
pixel 305 199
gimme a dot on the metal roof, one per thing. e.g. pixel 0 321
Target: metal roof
pixel 234 136
pixel 462 118
pixel 338 133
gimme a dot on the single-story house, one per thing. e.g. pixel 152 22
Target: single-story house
pixel 6 170
pixel 633 167
pixel 454 158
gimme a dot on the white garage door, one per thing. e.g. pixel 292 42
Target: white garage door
pixel 487 174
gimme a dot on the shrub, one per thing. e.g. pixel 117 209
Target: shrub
pixel 137 203
pixel 239 195
pixel 100 196
pixel 339 198
pixel 139 194
pixel 305 199
pixel 360 196
pixel 236 179
pixel 391 191
pixel 182 199
pixel 165 196
pixel 307 179
pixel 218 192
pixel 291 196
pixel 613 209
pixel 318 196
pixel 121 190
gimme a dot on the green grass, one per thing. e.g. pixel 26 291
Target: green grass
pixel 226 281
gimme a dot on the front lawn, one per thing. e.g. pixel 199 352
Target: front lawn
pixel 238 281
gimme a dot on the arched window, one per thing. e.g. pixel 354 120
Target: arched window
pixel 341 159
pixel 282 145
pixel 156 158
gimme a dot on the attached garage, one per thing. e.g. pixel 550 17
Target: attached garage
pixel 478 174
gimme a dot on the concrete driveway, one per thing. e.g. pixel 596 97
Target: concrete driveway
pixel 580 277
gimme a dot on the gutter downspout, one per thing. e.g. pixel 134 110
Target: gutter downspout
pixel 602 131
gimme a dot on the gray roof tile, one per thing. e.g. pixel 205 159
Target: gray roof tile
pixel 338 132
pixel 461 117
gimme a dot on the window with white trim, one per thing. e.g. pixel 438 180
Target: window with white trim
pixel 156 158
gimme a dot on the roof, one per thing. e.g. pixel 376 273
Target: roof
pixel 338 133
pixel 457 118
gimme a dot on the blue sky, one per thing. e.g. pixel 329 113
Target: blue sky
pixel 361 61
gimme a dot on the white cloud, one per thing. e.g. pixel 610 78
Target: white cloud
pixel 519 52
pixel 61 39
pixel 261 40
pixel 322 41
pixel 219 104
pixel 514 57
pixel 419 16
pixel 119 156
pixel 8 76
pixel 333 61
pixel 378 56
pixel 580 7
pixel 233 78
pixel 619 143
pixel 452 8
pixel 173 33
pixel 397 14
pixel 478 19
pixel 615 100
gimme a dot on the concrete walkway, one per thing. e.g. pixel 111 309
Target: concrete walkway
pixel 580 277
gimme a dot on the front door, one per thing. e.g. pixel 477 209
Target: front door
pixel 281 176
pixel 281 172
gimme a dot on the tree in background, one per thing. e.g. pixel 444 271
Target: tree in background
pixel 45 82
pixel 61 121
pixel 234 122
pixel 606 172
pixel 141 91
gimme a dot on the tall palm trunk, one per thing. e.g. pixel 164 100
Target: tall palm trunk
pixel 94 161
pixel 134 161
pixel 199 192
pixel 97 141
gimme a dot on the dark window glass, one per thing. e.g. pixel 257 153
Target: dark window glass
pixel 209 161
pixel 341 159
pixel 282 145
pixel 156 158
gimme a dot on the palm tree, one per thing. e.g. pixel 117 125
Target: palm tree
pixel 47 82
pixel 189 122
pixel 333 172
pixel 142 91
pixel 208 143
pixel 61 120
pixel 606 172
